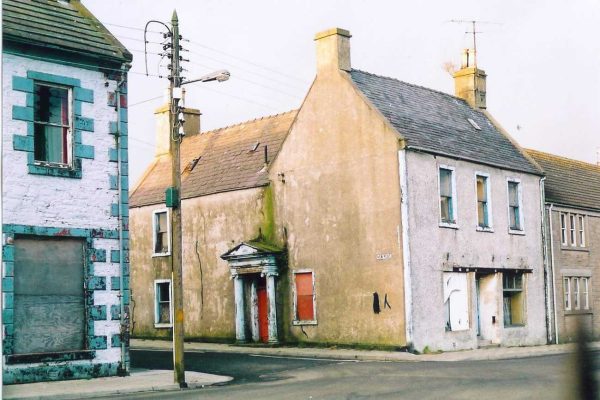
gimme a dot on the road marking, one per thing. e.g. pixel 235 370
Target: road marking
pixel 304 358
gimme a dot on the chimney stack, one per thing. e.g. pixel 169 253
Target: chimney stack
pixel 469 81
pixel 333 50
pixel 191 126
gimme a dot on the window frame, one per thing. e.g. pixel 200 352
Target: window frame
pixel 581 229
pixel 158 324
pixel 521 228
pixel 296 321
pixel 564 237
pixel 586 291
pixel 515 290
pixel 567 293
pixel 488 188
pixel 453 222
pixel 70 127
pixel 572 230
pixel 154 232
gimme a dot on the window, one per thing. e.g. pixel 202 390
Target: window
pixel 52 124
pixel 572 230
pixel 447 196
pixel 162 233
pixel 563 229
pixel 512 285
pixel 576 293
pixel 585 300
pixel 515 217
pixel 456 302
pixel 581 230
pixel 304 300
pixel 483 201
pixel 567 293
pixel 163 313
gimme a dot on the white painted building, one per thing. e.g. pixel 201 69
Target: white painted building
pixel 65 269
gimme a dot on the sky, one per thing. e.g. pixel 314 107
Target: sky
pixel 542 58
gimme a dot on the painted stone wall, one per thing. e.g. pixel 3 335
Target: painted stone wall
pixel 337 209
pixel 576 261
pixel 434 249
pixel 211 225
pixel 80 203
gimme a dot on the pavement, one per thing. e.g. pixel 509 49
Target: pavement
pixel 140 381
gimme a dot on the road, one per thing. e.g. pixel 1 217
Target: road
pixel 263 377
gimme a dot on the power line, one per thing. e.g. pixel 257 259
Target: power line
pixel 130 27
pixel 144 101
pixel 246 61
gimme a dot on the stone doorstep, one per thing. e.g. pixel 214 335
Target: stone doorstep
pixel 137 382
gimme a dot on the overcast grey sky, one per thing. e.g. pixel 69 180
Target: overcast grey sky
pixel 542 58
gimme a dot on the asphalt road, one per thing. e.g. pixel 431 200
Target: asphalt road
pixel 260 377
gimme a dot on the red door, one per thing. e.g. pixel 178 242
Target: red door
pixel 263 318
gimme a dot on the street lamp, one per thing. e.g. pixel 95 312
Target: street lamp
pixel 221 76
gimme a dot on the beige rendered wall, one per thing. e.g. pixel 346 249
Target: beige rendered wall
pixel 211 225
pixel 576 261
pixel 434 249
pixel 340 207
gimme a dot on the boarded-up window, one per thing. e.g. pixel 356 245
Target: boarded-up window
pixel 161 232
pixel 456 301
pixel 49 308
pixel 305 310
pixel 162 294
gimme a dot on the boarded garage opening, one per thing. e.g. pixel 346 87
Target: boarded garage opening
pixel 49 309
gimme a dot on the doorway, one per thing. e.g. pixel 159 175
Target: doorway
pixel 263 310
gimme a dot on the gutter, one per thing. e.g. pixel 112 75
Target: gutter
pixel 546 264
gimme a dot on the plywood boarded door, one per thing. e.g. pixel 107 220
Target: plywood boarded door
pixel 49 309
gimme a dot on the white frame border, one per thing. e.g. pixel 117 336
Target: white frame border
pixel 295 321
pixel 443 224
pixel 161 210
pixel 521 214
pixel 488 189
pixel 156 323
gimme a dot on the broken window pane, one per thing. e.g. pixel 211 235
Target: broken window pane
pixel 163 302
pixel 513 298
pixel 161 232
pixel 52 130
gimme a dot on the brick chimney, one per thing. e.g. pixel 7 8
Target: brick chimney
pixel 333 50
pixel 469 81
pixel 191 126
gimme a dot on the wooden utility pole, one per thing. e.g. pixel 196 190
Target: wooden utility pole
pixel 176 100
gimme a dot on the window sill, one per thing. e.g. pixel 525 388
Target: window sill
pixel 59 170
pixel 573 248
pixel 50 357
pixel 163 326
pixel 516 232
pixel 161 254
pixel 450 225
pixel 578 312
pixel 485 229
pixel 515 326
pixel 299 323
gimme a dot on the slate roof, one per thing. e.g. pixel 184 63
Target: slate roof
pixel 436 122
pixel 63 25
pixel 225 160
pixel 569 182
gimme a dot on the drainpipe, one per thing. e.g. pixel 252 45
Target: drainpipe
pixel 553 278
pixel 123 322
pixel 406 247
pixel 546 263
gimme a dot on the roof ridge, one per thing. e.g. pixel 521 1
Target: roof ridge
pixel 413 85
pixel 248 121
pixel 572 160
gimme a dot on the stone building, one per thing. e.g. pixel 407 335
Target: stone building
pixel 380 212
pixel 65 193
pixel 572 197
